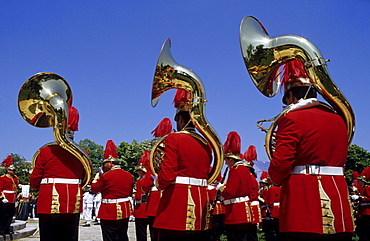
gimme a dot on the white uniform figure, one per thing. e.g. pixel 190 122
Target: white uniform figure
pixel 97 202
pixel 88 200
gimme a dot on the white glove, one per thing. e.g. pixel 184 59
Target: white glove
pixel 101 171
pixel 210 187
pixel 97 175
pixel 220 187
pixel 5 200
pixel 355 197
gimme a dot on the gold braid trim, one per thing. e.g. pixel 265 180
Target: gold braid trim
pixel 55 205
pixel 327 213
pixel 248 212
pixel 78 201
pixel 119 211
pixel 190 217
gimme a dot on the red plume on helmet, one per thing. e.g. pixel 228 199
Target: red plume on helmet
pixel 232 145
pixel 73 118
pixel 164 127
pixel 143 163
pixel 181 100
pixel 110 151
pixel 250 155
pixel 365 175
pixel 354 175
pixel 294 75
pixel 264 177
pixel 7 162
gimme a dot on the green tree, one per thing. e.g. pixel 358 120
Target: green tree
pixel 95 152
pixel 357 159
pixel 129 154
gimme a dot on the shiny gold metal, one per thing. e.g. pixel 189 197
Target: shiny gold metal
pixel 264 55
pixel 43 102
pixel 170 75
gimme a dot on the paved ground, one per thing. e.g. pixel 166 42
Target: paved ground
pixel 92 233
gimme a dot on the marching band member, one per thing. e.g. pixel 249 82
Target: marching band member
pixel 8 192
pixel 164 127
pixel 363 222
pixel 311 150
pixel 240 188
pixel 250 155
pixel 116 187
pixel 57 175
pixel 218 208
pixel 140 199
pixel 182 210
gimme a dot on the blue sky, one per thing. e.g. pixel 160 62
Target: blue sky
pixel 107 51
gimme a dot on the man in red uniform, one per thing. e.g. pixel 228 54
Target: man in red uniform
pixel 141 197
pixel 116 186
pixel 57 175
pixel 363 222
pixel 311 150
pixel 8 192
pixel 164 128
pixel 239 190
pixel 182 212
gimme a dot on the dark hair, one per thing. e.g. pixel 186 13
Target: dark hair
pixel 185 116
pixel 301 92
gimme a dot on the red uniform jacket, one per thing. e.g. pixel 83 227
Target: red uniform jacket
pixel 55 162
pixel 241 183
pixel 114 184
pixel 272 200
pixel 140 204
pixel 183 207
pixel 10 186
pixel 365 201
pixel 319 137
pixel 154 194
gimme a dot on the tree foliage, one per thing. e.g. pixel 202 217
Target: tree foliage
pixel 130 154
pixel 357 159
pixel 95 152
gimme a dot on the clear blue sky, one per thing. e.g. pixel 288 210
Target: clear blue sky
pixel 107 51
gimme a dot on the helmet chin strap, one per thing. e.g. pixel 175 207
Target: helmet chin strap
pixel 308 90
pixel 186 125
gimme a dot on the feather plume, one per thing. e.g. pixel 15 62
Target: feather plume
pixel 110 150
pixel 73 118
pixel 164 127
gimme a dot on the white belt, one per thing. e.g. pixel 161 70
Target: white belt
pixel 7 191
pixel 191 181
pixel 276 204
pixel 318 170
pixel 364 204
pixel 118 200
pixel 236 200
pixel 60 180
pixel 154 188
pixel 255 203
pixel 138 201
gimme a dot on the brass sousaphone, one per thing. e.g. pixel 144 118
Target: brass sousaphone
pixel 43 101
pixel 170 75
pixel 263 55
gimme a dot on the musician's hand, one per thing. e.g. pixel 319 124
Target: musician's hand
pixel 5 200
pixel 220 187
pixel 355 197
pixel 210 187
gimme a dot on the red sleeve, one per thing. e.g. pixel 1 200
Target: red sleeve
pixel 147 182
pixel 283 159
pixel 37 172
pixel 169 165
pixel 99 185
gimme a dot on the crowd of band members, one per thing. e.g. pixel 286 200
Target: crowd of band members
pixel 180 204
pixel 173 210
